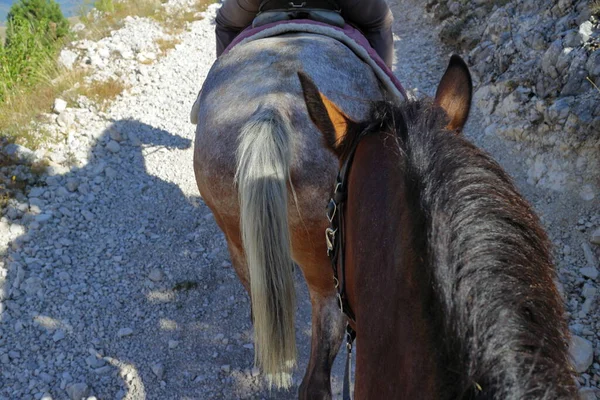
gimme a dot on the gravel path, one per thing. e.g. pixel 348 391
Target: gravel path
pixel 115 281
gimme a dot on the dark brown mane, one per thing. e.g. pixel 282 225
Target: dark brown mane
pixel 505 335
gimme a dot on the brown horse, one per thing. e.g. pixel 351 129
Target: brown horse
pixel 264 171
pixel 447 268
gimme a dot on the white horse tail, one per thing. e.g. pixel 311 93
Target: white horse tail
pixel 263 163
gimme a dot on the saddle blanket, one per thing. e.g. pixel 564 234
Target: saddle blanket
pixel 348 35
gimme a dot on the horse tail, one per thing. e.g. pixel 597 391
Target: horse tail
pixel 263 169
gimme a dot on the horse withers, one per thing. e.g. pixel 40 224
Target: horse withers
pixel 447 268
pixel 265 173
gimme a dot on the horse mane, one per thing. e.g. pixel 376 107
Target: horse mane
pixel 505 335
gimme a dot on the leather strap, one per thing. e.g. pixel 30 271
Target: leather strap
pixel 350 336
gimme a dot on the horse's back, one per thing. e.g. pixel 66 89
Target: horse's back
pixel 263 74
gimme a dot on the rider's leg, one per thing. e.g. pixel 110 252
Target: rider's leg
pixel 375 19
pixel 232 18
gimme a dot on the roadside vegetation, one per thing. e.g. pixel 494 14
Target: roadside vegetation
pixel 30 76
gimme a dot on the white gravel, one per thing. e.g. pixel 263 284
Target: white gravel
pixel 114 278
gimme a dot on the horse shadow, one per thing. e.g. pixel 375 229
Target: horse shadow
pixel 121 282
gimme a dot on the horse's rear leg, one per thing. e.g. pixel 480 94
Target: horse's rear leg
pixel 327 333
pixel 328 325
pixel 231 229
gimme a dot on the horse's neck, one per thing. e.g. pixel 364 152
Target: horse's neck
pixel 389 287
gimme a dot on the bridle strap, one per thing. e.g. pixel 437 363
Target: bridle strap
pixel 350 336
pixel 335 234
pixel 335 238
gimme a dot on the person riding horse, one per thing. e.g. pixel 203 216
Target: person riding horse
pixel 373 17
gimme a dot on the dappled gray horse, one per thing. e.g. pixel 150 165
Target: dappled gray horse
pixel 262 168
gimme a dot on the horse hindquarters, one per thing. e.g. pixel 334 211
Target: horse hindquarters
pixel 263 160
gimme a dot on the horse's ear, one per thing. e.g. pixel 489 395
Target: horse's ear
pixel 454 93
pixel 327 116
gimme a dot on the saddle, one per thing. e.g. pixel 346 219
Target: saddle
pixel 325 11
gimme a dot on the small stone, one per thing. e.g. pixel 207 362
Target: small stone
pixel 595 238
pixel 65 119
pixel 46 377
pixel 77 391
pixel 255 372
pixel 113 146
pixel 587 193
pixel 587 393
pixel 20 153
pixel 58 335
pixel 72 184
pixel 59 106
pixel 94 362
pixel 46 396
pixel 585 31
pixel 589 272
pixel 43 218
pixel 226 368
pixel 590 258
pixel 589 291
pixel 133 139
pixel 582 353
pixel 103 370
pixel 199 379
pixel 124 332
pixel 156 275
pixel 87 215
pixel 586 307
pixel 104 52
pixel 173 344
pixel 110 172
pixel 115 135
pixel 158 369
pixel 67 58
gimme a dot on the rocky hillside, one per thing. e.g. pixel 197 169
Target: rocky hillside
pixel 537 65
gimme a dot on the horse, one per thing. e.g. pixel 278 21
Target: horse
pixel 263 170
pixel 447 268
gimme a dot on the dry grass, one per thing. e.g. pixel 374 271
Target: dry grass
pixel 593 84
pixel 175 23
pixel 102 92
pixel 595 8
pixel 167 44
pixel 108 16
pixel 22 113
pixel 4 198
pixel 24 108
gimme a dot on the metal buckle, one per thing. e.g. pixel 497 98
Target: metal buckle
pixel 340 303
pixel 331 210
pixel 330 238
pixel 337 186
pixel 294 5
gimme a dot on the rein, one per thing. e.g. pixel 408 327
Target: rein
pixel 334 236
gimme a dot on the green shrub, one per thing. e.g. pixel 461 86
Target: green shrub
pixel 22 60
pixel 107 6
pixel 44 15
